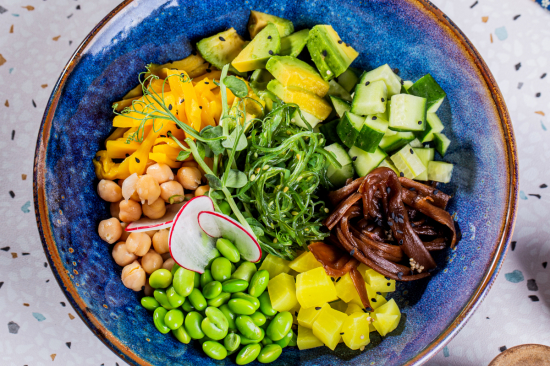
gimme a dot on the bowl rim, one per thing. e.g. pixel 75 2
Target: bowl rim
pixel 123 351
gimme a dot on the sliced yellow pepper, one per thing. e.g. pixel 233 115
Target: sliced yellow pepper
pixel 117 133
pixel 105 168
pixel 162 158
pixel 166 140
pixel 204 85
pixel 184 90
pixel 138 160
pixel 171 152
pixel 214 75
pixel 119 149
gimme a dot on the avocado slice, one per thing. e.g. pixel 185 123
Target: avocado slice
pixel 222 48
pixel 259 80
pixel 294 44
pixel 331 55
pixel 293 72
pixel 258 21
pixel 256 53
pixel 307 101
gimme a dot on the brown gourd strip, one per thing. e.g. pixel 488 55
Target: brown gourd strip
pixel 439 198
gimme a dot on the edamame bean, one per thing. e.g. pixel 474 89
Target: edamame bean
pixel 266 341
pixel 214 350
pixel 258 283
pixel 160 296
pixel 230 316
pixel 234 285
pixel 258 318
pixel 265 305
pixel 247 328
pixel 158 319
pixel 174 319
pixel 197 280
pixel 212 290
pixel 184 281
pixel 245 271
pixel 149 303
pixel 206 278
pixel 294 340
pixel 204 339
pixel 245 341
pixel 283 342
pixel 187 306
pixel 228 250
pixel 241 306
pixel 221 269
pixel 270 353
pixel 215 253
pixel 279 326
pixel 175 299
pixel 192 324
pixel 224 207
pixel 253 300
pixel 232 341
pixel 175 267
pixel 215 325
pixel 248 354
pixel 181 335
pixel 197 299
pixel 219 300
pixel 161 278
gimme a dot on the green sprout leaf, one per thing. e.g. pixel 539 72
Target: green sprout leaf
pixel 213 132
pixel 217 195
pixel 183 155
pixel 235 179
pixel 214 182
pixel 228 144
pixel 236 85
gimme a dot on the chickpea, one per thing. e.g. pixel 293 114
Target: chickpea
pixel 171 189
pixel 202 190
pixel 125 233
pixel 189 177
pixel 188 196
pixel 190 163
pixel 109 191
pixel 161 172
pixel 110 230
pixel 115 209
pixel 138 243
pixel 151 233
pixel 148 290
pixel 151 261
pixel 129 211
pixel 166 256
pixel 121 255
pixel 133 276
pixel 148 189
pixel 155 210
pixel 150 163
pixel 160 241
pixel 168 264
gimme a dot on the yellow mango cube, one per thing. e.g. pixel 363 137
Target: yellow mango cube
pixel 314 288
pixel 306 339
pixel 328 325
pixel 345 288
pixel 306 317
pixel 356 330
pixel 282 292
pixel 275 265
pixel 386 317
pixel 339 305
pixel 375 298
pixel 354 308
pixel 378 282
pixel 304 262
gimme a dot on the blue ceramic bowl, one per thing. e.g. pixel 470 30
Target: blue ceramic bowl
pixel 411 35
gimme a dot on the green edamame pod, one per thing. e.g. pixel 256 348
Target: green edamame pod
pixel 241 306
pixel 253 300
pixel 265 305
pixel 230 316
pixel 161 278
pixel 174 319
pixel 215 325
pixel 234 285
pixel 219 300
pixel 270 353
pixel 266 341
pixel 192 325
pixel 228 250
pixel 245 341
pixel 181 335
pixel 184 281
pixel 245 271
pixel 187 306
pixel 149 303
pixel 160 296
pixel 247 328
pixel 206 278
pixel 175 299
pixel 158 319
pixel 212 290
pixel 214 350
pixel 283 342
pixel 279 326
pixel 294 340
pixel 232 341
pixel 224 207
pixel 248 354
pixel 174 268
pixel 258 283
pixel 197 299
pixel 221 269
pixel 258 318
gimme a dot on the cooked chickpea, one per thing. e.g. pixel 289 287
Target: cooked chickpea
pixel 202 190
pixel 109 191
pixel 160 241
pixel 125 233
pixel 189 177
pixel 138 243
pixel 110 230
pixel 148 189
pixel 133 276
pixel 151 233
pixel 190 163
pixel 121 255
pixel 155 210
pixel 115 209
pixel 151 261
pixel 188 196
pixel 129 211
pixel 166 256
pixel 161 172
pixel 172 190
pixel 150 163
pixel 148 290
pixel 168 264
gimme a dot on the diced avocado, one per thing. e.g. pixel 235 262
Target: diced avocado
pixel 433 125
pixel 329 131
pixel 348 79
pixel 294 44
pixel 307 101
pixel 293 72
pixel 336 176
pixel 299 121
pixel 340 105
pixel 370 98
pixel 222 48
pixel 407 113
pixel 256 54
pixel 439 171
pixel 258 21
pixel 426 155
pixel 441 143
pixel 408 162
pixel 371 134
pixel 427 87
pixel 386 74
pixel 365 162
pixel 259 80
pixel 395 140
pixel 331 55
pixel 337 90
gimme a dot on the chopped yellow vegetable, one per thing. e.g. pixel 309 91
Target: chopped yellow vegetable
pixel 119 149
pixel 193 65
pixel 339 305
pixel 354 308
pixel 275 265
pixel 376 300
pixel 356 330
pixel 378 282
pixel 386 317
pixel 304 262
pixel 306 317
pixel 117 133
pixel 345 288
pixel 162 158
pixel 282 292
pixel 328 325
pixel 314 288
pixel 105 168
pixel 306 339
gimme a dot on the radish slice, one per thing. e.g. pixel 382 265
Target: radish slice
pixel 147 224
pixel 218 225
pixel 189 246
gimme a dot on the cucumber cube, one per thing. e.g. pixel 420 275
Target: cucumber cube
pixel 416 143
pixel 428 88
pixel 348 80
pixel 387 163
pixel 365 162
pixel 441 143
pixel 370 98
pixel 407 113
pixel 407 84
pixel 386 74
pixel 407 162
pixel 329 131
pixel 371 134
pixel 340 105
pixel 337 90
pixel 439 171
pixel 433 125
pixel 349 127
pixel 395 140
pixel 337 176
pixel 426 155
pixel 311 119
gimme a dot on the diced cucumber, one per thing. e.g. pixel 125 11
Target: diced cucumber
pixel 348 79
pixel 426 155
pixel 387 163
pixel 370 98
pixel 439 171
pixel 441 143
pixel 311 119
pixel 340 105
pixel 391 142
pixel 386 114
pixel 337 90
pixel 416 143
pixel 407 113
pixel 433 125
pixel 428 88
pixel 407 84
pixel 349 127
pixel 408 162
pixel 386 74
pixel 365 162
pixel 371 134
pixel 336 176
pixel 329 131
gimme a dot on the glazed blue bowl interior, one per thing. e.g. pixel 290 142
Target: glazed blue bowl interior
pixel 395 32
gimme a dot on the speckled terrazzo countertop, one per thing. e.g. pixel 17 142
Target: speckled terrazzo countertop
pixel 38 37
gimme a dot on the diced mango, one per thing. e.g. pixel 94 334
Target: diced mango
pixel 345 288
pixel 354 308
pixel 314 288
pixel 304 262
pixel 356 330
pixel 378 282
pixel 306 339
pixel 282 292
pixel 339 305
pixel 386 317
pixel 275 265
pixel 375 298
pixel 363 268
pixel 328 325
pixel 306 317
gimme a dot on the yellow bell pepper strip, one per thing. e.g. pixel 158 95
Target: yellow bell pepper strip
pixel 158 85
pixel 117 133
pixel 203 85
pixel 135 92
pixel 206 116
pixel 121 104
pixel 214 75
pixel 210 96
pixel 185 90
pixel 129 132
pixel 138 160
pixel 119 149
pixel 188 64
pixel 216 110
pixel 105 168
pixel 166 140
pixel 162 158
pixel 171 152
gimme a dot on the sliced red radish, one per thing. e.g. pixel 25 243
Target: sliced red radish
pixel 218 225
pixel 190 247
pixel 147 224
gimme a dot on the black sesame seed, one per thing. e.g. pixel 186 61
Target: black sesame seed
pixel 127 155
pixel 400 243
pixel 208 70
pixel 340 41
pixel 374 118
pixel 324 53
pixel 169 107
pixel 178 127
pixel 342 333
pixel 317 308
pixel 332 279
pixel 378 293
pixel 373 300
pixel 412 189
pixel 352 252
pixel 270 52
pixel 268 37
pixel 435 192
pixel 367 83
pixel 206 82
pixel 137 160
pixel 387 278
pixel 182 100
pixel 338 279
pixel 402 82
pixel 367 309
pixel 354 158
pixel 401 174
pixel 382 99
pixel 400 275
pixel 411 150
pixel 169 132
pixel 399 231
pixel 222 39
pixel 390 223
pixel 419 122
pixel 200 107
pixel 388 284
pixel 388 190
pixel 347 44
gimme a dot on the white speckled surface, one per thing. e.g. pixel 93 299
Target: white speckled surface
pixel 32 57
